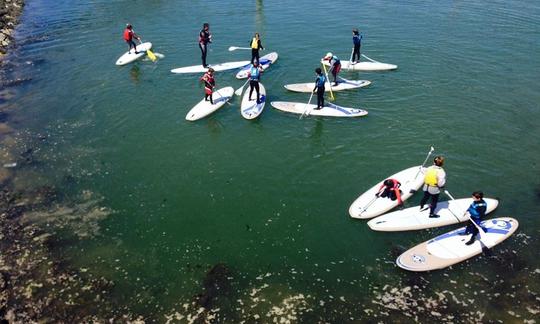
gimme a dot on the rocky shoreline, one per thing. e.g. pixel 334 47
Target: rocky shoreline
pixel 10 11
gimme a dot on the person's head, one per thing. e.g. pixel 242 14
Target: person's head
pixel 128 26
pixel 205 26
pixel 355 31
pixel 328 56
pixel 255 63
pixel 477 195
pixel 210 70
pixel 318 71
pixel 388 183
pixel 438 161
pixel 257 35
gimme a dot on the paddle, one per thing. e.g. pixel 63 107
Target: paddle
pixel 350 60
pixel 239 90
pixel 234 48
pixel 307 105
pixel 370 59
pixel 369 204
pixel 427 157
pixel 149 52
pixel 329 83
pixel 483 235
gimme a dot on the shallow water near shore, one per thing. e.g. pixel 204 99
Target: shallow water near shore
pixel 264 203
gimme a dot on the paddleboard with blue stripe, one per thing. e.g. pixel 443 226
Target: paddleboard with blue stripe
pixel 264 63
pixel 450 248
pixel 205 108
pixel 251 109
pixel 330 110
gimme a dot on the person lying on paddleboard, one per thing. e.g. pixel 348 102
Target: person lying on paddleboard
pixel 255 47
pixel 129 34
pixel 434 180
pixel 254 76
pixel 390 189
pixel 319 88
pixel 335 65
pixel 209 84
pixel 357 42
pixel 204 38
pixel 477 210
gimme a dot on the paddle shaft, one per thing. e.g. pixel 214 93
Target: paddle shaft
pixel 369 204
pixel 239 90
pixel 329 83
pixel 427 157
pixel 307 105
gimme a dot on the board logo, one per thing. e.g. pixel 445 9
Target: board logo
pixel 418 258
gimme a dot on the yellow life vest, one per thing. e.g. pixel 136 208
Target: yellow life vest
pixel 255 43
pixel 431 177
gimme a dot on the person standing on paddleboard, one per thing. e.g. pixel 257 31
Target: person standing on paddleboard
pixel 254 76
pixel 390 189
pixel 319 88
pixel 129 34
pixel 335 65
pixel 357 42
pixel 434 180
pixel 209 84
pixel 255 47
pixel 477 210
pixel 204 38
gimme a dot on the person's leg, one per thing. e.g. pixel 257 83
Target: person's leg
pixel 433 205
pixel 258 94
pixel 424 199
pixel 253 55
pixel 251 86
pixel 203 53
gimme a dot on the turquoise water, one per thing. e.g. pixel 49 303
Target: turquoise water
pixel 269 198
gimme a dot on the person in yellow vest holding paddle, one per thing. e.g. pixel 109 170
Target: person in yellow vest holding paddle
pixel 255 47
pixel 434 180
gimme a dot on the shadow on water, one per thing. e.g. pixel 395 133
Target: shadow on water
pixel 135 73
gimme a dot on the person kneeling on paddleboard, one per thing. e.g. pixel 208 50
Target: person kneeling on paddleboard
pixel 434 180
pixel 129 34
pixel 209 84
pixel 390 189
pixel 335 65
pixel 319 88
pixel 477 210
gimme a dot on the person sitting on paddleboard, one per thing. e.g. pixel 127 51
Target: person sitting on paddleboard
pixel 204 38
pixel 390 189
pixel 209 84
pixel 319 87
pixel 129 34
pixel 477 210
pixel 255 47
pixel 357 42
pixel 434 180
pixel 254 76
pixel 335 65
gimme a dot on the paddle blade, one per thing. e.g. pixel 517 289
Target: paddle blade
pixel 232 48
pixel 151 55
pixel 239 91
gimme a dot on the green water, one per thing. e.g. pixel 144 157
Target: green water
pixel 269 198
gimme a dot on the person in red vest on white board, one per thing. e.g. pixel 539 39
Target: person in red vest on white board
pixel 129 35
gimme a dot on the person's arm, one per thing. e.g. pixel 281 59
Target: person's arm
pixel 441 178
pixel 398 195
pixel 260 45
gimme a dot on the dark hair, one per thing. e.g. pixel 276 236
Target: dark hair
pixel 318 70
pixel 355 31
pixel 438 160
pixel 205 25
pixel 478 194
pixel 388 182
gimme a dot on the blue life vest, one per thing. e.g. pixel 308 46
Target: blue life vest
pixel 320 81
pixel 254 73
pixel 477 209
pixel 357 39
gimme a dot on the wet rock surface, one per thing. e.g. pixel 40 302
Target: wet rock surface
pixel 10 10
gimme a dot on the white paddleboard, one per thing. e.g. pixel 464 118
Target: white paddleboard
pixel 450 212
pixel 130 56
pixel 343 84
pixel 250 109
pixel 216 67
pixel 367 205
pixel 204 108
pixel 450 248
pixel 264 62
pixel 330 110
pixel 364 66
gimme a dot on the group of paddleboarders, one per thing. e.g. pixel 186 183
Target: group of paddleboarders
pixel 434 182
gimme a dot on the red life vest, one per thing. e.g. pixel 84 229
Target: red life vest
pixel 128 34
